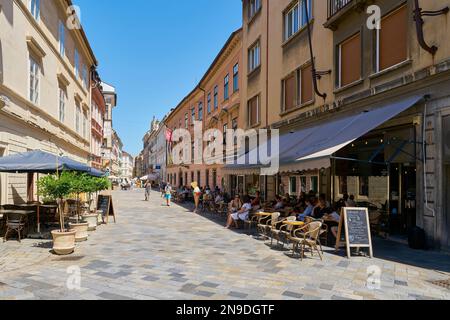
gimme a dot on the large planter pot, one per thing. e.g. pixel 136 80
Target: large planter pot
pixel 81 229
pixel 91 219
pixel 63 242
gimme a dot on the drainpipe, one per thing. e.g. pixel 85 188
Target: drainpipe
pixel 267 66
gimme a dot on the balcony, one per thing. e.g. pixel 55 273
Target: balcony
pixel 340 9
pixel 334 6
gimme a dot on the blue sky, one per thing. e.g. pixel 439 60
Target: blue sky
pixel 154 53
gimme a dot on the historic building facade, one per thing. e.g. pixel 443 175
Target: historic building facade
pixel 98 109
pixel 215 103
pixel 45 78
pixel 366 105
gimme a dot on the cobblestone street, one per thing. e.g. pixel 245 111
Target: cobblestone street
pixel 155 252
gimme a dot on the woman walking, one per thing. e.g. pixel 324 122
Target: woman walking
pixel 168 194
pixel 148 188
pixel 197 194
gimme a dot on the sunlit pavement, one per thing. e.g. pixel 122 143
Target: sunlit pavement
pixel 156 252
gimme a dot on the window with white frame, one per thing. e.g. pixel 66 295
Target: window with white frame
pixel 62 105
pixel 253 8
pixel 62 38
pixel 200 111
pixel 34 81
pixel 35 8
pixel 226 87
pixel 85 76
pixel 85 122
pixel 77 64
pixel 77 118
pixel 209 103
pixel 293 185
pixel 216 97
pixel 295 17
pixel 254 57
pixel 186 121
pixel 236 77
pixel 193 115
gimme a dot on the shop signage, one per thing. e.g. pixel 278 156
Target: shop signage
pixel 354 230
pixel 105 205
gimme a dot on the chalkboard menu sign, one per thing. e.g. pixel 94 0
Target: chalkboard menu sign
pixel 105 205
pixel 355 225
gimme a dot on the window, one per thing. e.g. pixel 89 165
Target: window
pixel 209 103
pixel 200 111
pixel 290 92
pixel 35 8
pixel 62 105
pixel 315 184
pixel 254 57
pixel 186 120
pixel 303 184
pixel 295 18
pixel 253 111
pixel 85 120
pixel 198 178
pixel 364 186
pixel 391 39
pixel 193 115
pixel 226 86
pixel 225 128
pixel 306 85
pixel 77 64
pixel 293 185
pixel 77 117
pixel 253 8
pixel 85 77
pixel 216 97
pixel 62 38
pixel 343 187
pixel 349 59
pixel 34 81
pixel 236 77
pixel 234 124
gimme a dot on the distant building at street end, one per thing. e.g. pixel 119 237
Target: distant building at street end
pixel 138 170
pixel 127 165
pixel 110 96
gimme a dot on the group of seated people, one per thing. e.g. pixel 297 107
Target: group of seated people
pixel 304 207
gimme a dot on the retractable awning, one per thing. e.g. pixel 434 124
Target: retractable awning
pixel 312 147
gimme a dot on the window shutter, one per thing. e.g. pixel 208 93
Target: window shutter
pixel 393 38
pixel 253 111
pixel 351 60
pixel 289 93
pixel 306 85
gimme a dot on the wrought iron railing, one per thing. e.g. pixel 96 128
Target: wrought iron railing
pixel 334 6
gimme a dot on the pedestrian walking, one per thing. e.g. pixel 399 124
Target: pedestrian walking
pixel 148 188
pixel 168 194
pixel 197 194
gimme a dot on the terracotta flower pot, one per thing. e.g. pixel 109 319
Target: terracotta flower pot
pixel 81 229
pixel 91 219
pixel 63 242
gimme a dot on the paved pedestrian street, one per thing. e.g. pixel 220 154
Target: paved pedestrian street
pixel 156 252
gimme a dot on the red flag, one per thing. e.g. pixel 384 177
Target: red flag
pixel 169 135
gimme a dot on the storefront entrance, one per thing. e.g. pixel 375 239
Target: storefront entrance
pixel 402 198
pixel 447 201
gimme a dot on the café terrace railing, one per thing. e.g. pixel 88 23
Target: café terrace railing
pixel 334 6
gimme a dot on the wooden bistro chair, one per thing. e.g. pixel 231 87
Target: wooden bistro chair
pixel 323 234
pixel 14 223
pixel 308 236
pixel 282 232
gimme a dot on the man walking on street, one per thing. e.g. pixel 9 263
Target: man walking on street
pixel 168 194
pixel 148 188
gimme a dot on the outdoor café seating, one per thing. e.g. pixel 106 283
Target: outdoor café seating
pixel 281 231
pixel 307 237
pixel 15 223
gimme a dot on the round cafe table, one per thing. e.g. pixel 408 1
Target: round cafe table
pixel 263 214
pixel 294 223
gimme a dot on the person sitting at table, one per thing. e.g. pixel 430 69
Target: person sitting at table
pixel 240 215
pixel 235 205
pixel 350 203
pixel 219 198
pixel 332 220
pixel 321 209
pixel 308 210
pixel 256 202
pixel 279 204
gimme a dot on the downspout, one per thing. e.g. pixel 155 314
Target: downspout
pixel 267 66
pixel 315 74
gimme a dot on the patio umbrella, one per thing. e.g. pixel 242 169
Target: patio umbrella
pixel 42 162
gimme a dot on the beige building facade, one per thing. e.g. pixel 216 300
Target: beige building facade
pixel 45 68
pixel 398 167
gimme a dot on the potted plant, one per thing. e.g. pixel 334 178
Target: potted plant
pixel 94 185
pixel 59 187
pixel 78 187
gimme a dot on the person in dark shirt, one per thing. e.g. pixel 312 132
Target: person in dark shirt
pixel 321 209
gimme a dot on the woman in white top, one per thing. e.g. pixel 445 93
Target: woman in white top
pixel 242 214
